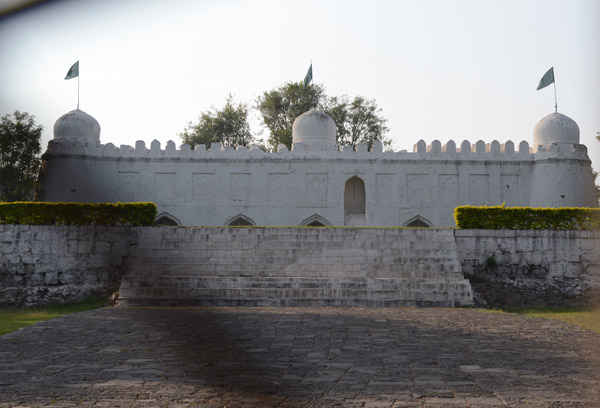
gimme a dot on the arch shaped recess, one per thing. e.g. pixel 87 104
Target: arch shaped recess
pixel 418 222
pixel 315 220
pixel 166 219
pixel 239 220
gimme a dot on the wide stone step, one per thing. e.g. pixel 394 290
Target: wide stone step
pixel 299 268
pixel 402 255
pixel 294 234
pixel 254 259
pixel 287 302
pixel 294 267
pixel 435 293
pixel 228 282
pixel 151 274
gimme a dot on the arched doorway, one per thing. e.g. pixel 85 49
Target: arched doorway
pixel 354 202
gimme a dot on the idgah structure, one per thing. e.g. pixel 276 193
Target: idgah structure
pixel 316 183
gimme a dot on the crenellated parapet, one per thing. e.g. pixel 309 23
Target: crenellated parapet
pixel 434 151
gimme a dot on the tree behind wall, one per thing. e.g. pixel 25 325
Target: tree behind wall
pixel 596 173
pixel 281 106
pixel 19 156
pixel 358 120
pixel 228 126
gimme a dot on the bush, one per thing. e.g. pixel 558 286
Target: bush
pixel 35 213
pixel 516 218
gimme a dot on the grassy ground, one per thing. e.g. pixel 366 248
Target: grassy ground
pixel 13 319
pixel 588 318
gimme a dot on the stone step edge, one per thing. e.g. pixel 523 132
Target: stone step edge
pixel 294 303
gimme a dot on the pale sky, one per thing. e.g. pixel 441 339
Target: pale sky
pixel 439 69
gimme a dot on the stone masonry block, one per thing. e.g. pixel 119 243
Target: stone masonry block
pixel 556 270
pixel 120 248
pixel 7 247
pixel 84 247
pixel 101 248
pixel 51 278
pixel 524 244
pixel 516 258
pixel 99 261
pixel 572 269
pixel 533 258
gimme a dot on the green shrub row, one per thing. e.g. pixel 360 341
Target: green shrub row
pixel 35 213
pixel 500 217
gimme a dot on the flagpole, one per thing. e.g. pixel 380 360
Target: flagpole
pixel 78 91
pixel 555 103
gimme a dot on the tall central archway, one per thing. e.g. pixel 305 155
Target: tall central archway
pixel 354 202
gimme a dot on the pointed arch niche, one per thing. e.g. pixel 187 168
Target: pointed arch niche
pixel 354 202
pixel 165 219
pixel 315 220
pixel 239 221
pixel 418 222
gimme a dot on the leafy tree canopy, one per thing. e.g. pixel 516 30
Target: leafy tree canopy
pixel 280 107
pixel 596 174
pixel 228 125
pixel 19 156
pixel 358 120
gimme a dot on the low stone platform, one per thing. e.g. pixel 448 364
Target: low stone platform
pixel 299 357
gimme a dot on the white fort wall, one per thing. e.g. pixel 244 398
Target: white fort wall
pixel 315 183
pixel 213 187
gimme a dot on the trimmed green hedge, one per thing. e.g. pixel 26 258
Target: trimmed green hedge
pixel 500 217
pixel 35 213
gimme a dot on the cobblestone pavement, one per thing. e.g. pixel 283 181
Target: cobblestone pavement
pixel 299 357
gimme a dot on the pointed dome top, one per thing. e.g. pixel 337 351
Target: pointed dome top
pixel 77 125
pixel 555 128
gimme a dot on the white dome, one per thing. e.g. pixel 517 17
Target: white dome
pixel 555 128
pixel 314 127
pixel 77 125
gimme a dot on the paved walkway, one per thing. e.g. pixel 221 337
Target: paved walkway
pixel 295 357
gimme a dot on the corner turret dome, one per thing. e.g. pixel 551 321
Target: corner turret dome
pixel 555 128
pixel 77 125
pixel 316 130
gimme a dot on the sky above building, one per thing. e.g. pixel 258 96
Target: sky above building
pixel 438 69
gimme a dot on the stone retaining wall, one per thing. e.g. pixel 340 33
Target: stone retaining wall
pixel 509 268
pixel 42 264
pixel 45 264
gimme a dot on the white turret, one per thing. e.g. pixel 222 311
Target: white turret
pixel 562 175
pixel 555 128
pixel 315 130
pixel 77 125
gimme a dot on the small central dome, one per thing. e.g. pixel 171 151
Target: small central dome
pixel 77 125
pixel 314 128
pixel 555 128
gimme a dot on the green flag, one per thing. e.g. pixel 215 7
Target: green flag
pixel 73 71
pixel 547 79
pixel 308 77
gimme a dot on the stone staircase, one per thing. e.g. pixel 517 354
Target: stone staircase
pixel 247 266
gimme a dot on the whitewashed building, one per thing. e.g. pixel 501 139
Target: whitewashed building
pixel 315 183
